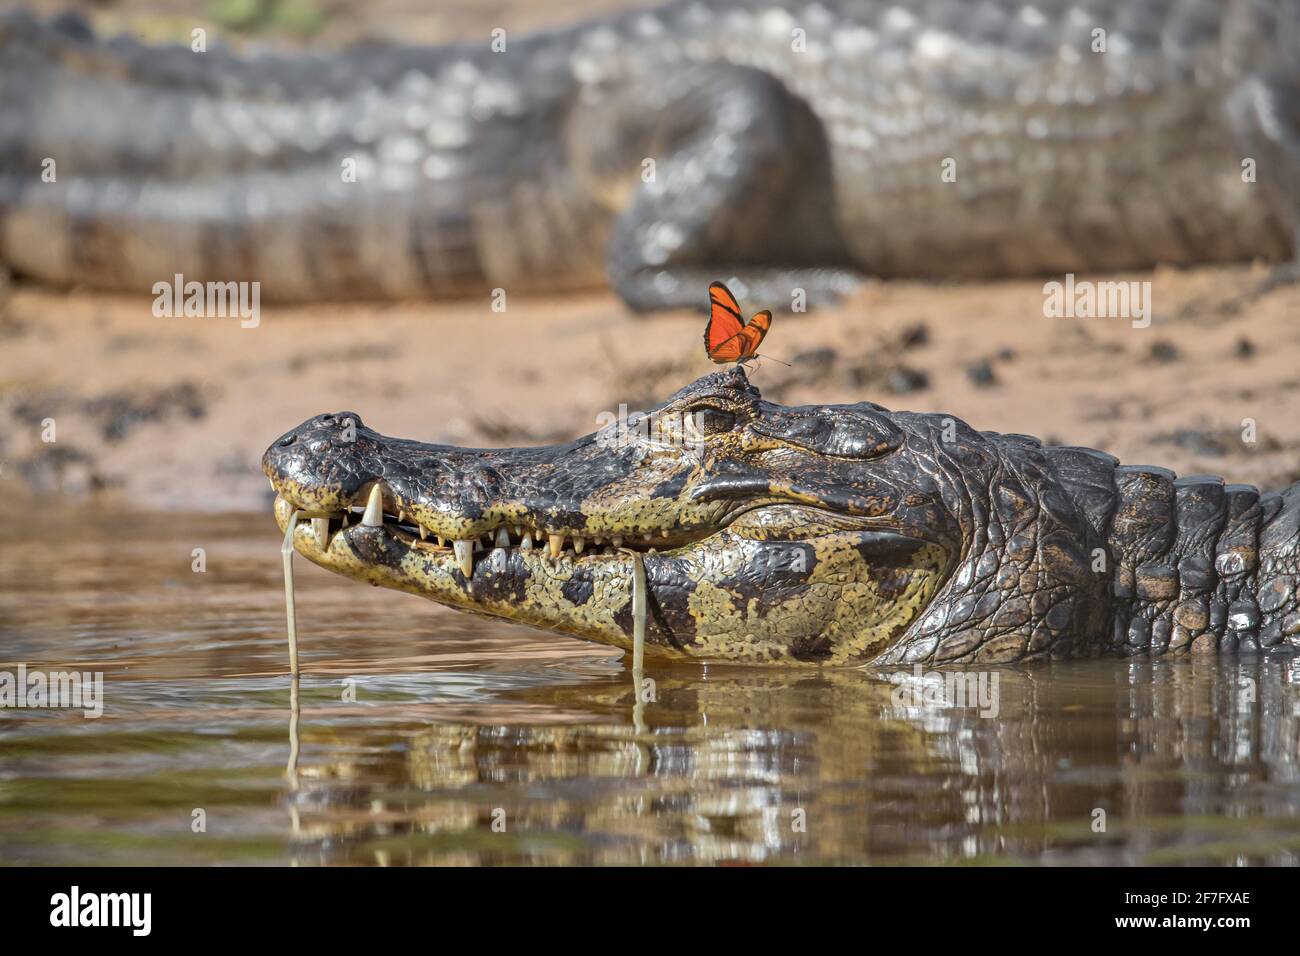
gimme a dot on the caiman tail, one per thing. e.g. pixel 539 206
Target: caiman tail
pixel 364 173
pixel 793 148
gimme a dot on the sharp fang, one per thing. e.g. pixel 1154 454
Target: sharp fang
pixel 665 532
pixel 617 540
pixel 503 538
pixel 321 528
pixel 442 542
pixel 424 533
pixel 527 542
pixel 556 542
pixel 598 540
pixel 578 545
pixel 465 556
pixel 519 531
pixel 374 516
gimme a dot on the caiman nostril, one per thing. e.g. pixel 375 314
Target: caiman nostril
pixel 286 441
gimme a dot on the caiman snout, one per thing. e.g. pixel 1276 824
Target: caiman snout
pixel 319 458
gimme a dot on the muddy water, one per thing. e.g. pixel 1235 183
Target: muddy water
pixel 423 736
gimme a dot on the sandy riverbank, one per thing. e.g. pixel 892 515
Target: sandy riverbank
pixel 175 413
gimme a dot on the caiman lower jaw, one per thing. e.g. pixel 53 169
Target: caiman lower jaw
pixel 842 597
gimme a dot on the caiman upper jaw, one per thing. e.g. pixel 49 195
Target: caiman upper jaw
pixel 459 501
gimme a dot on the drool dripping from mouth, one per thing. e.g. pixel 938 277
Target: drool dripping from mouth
pixel 286 553
pixel 638 616
pixel 638 639
pixel 639 602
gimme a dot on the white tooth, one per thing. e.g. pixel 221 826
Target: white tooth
pixel 424 533
pixel 442 542
pixel 578 545
pixel 519 531
pixel 652 551
pixel 321 528
pixel 556 541
pixel 401 516
pixel 374 516
pixel 503 538
pixel 598 540
pixel 465 555
pixel 665 532
pixel 527 543
pixel 617 540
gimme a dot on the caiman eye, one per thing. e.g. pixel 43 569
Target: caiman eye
pixel 708 420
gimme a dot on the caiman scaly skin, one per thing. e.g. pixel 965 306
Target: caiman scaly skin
pixel 823 534
pixel 786 144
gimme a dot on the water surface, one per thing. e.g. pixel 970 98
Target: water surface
pixel 430 737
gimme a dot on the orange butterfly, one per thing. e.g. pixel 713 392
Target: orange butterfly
pixel 727 338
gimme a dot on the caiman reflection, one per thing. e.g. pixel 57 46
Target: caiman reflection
pixel 748 765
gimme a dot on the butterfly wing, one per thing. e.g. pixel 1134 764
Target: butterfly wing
pixel 752 334
pixel 722 334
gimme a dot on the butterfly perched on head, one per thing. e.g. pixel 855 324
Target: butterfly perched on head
pixel 726 336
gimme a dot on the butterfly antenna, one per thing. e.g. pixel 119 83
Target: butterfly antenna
pixel 777 360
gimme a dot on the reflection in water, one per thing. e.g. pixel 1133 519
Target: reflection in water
pixel 295 741
pixel 419 736
pixel 747 765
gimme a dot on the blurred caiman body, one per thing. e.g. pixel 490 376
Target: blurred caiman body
pixel 836 534
pixel 791 145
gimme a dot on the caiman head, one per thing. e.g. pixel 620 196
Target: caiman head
pixel 833 534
